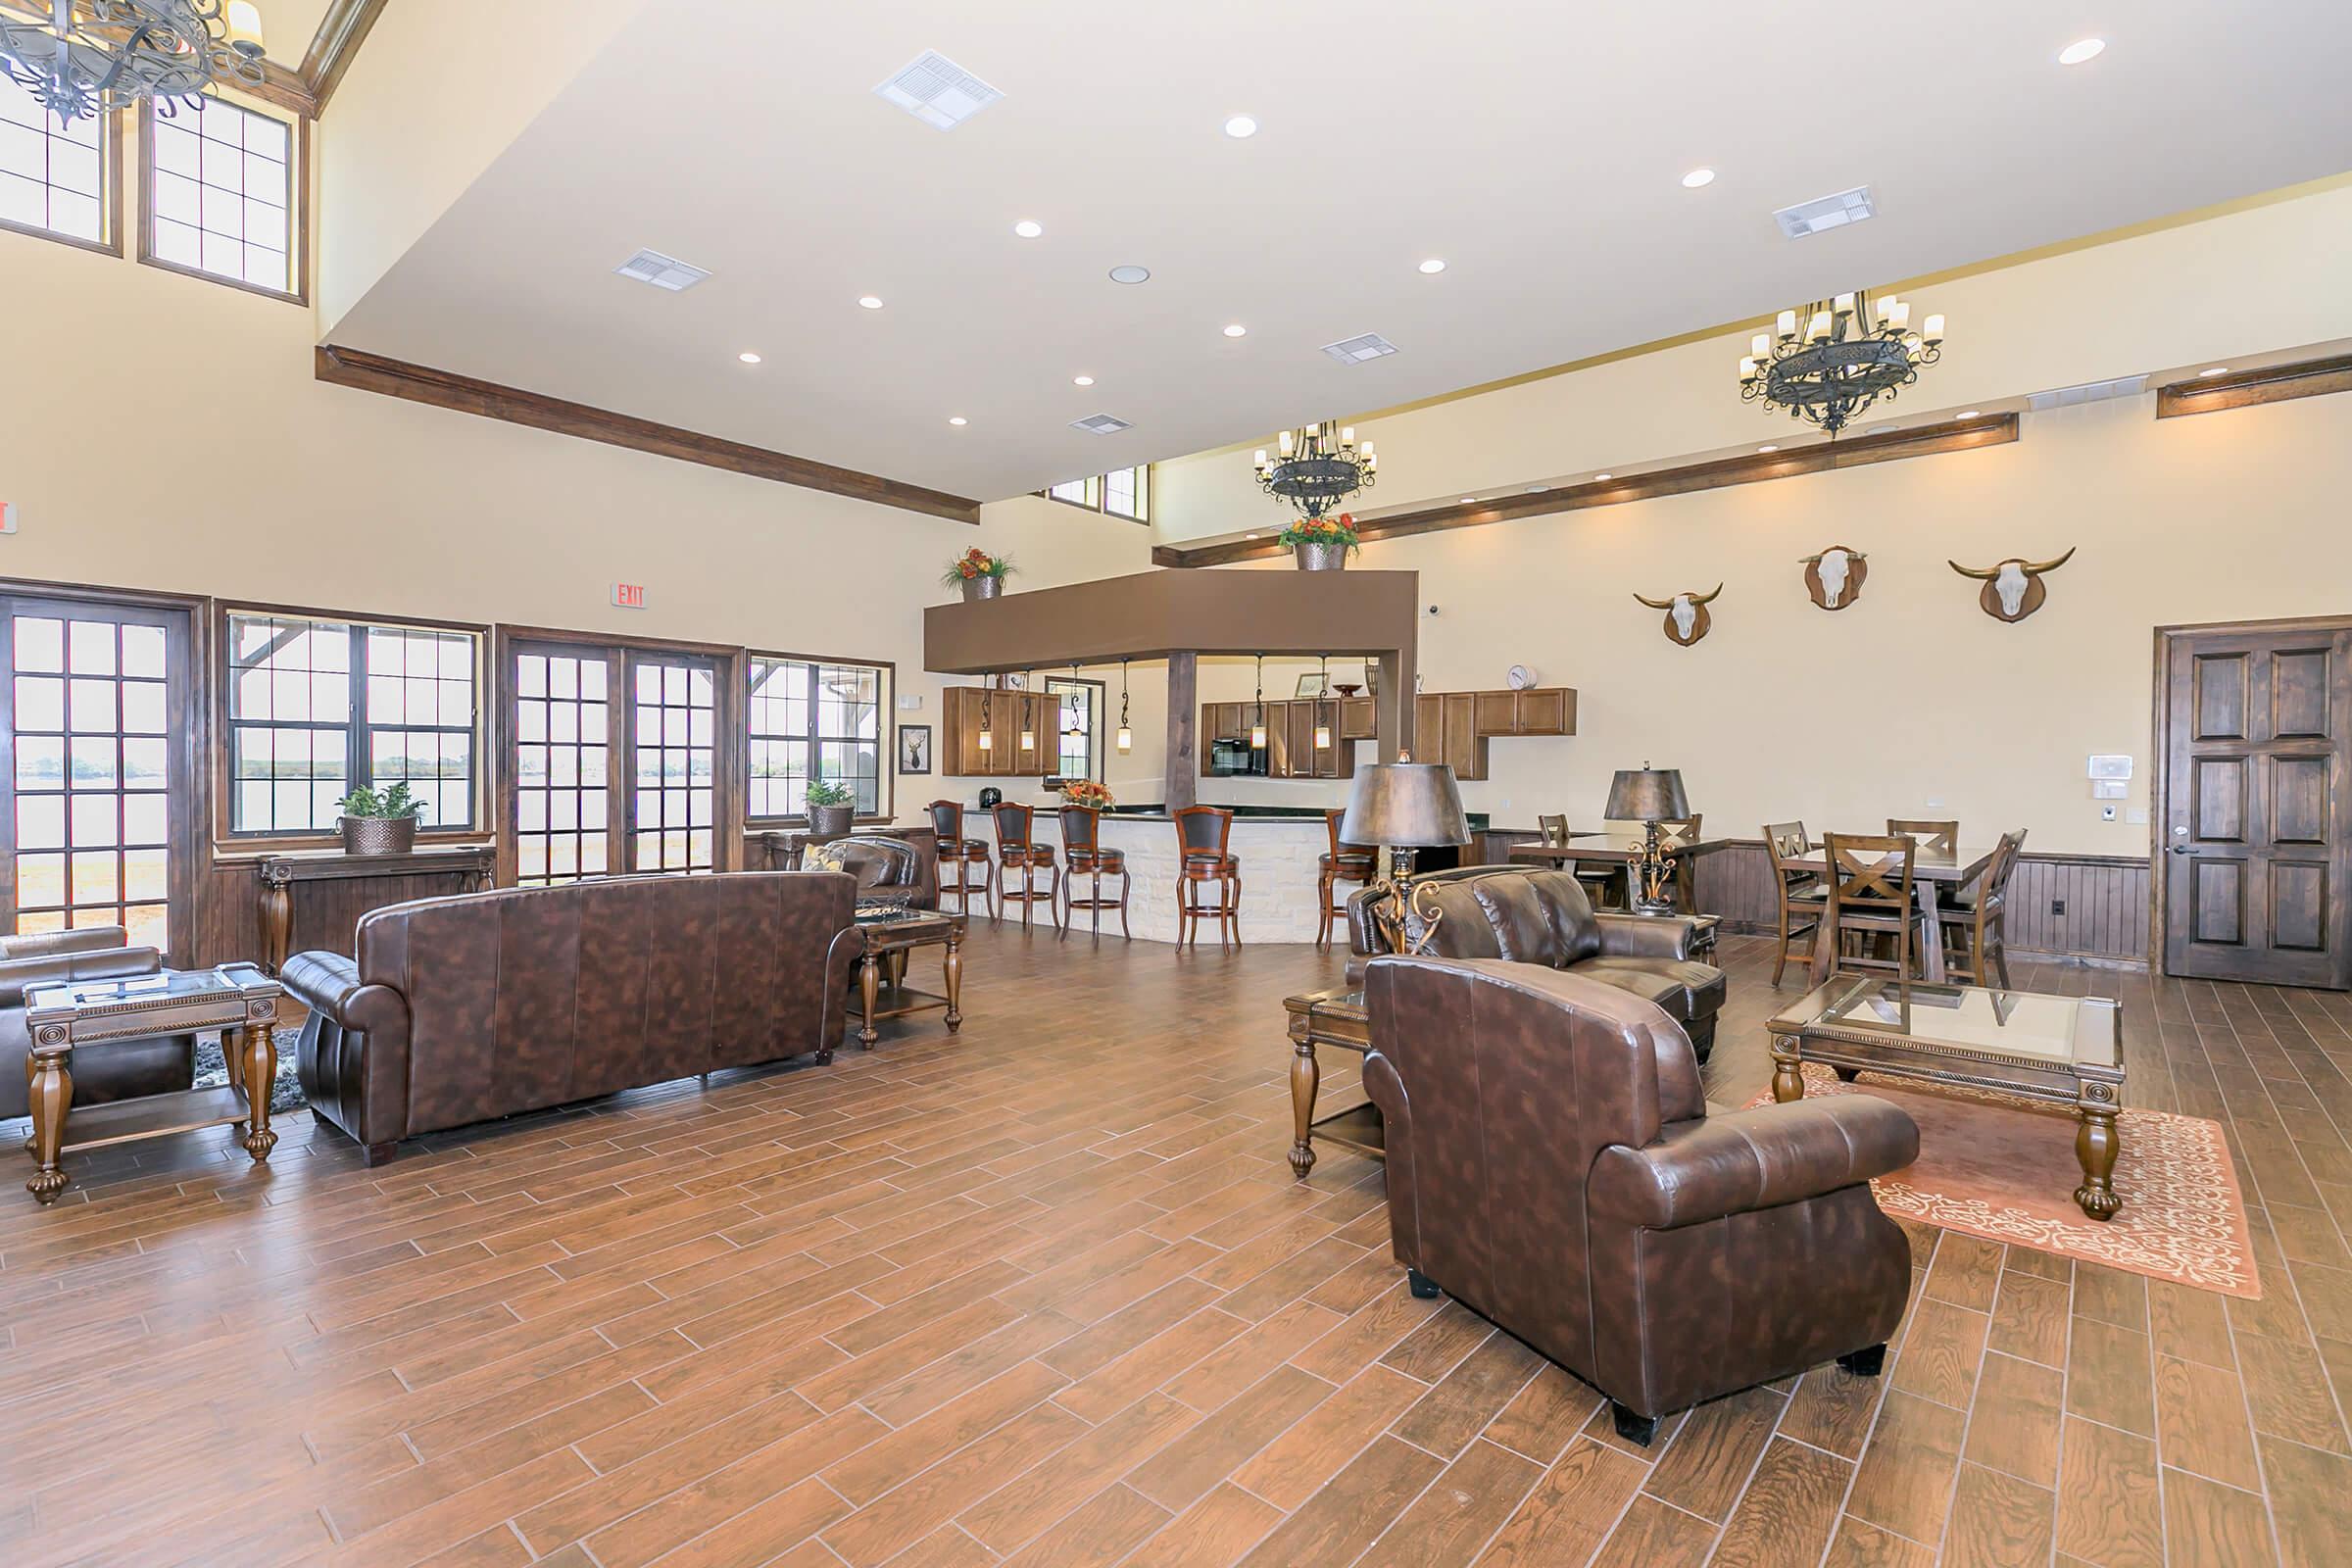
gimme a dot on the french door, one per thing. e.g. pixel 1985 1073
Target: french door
pixel 97 787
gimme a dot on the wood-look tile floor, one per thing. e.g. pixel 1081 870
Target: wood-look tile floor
pixel 1046 1295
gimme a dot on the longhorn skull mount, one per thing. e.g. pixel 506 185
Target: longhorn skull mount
pixel 2013 588
pixel 1833 577
pixel 1686 618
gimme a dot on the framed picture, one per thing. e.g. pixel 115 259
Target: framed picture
pixel 1313 685
pixel 914 748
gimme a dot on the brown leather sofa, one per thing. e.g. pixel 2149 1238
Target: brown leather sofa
pixel 1538 916
pixel 122 1070
pixel 488 1005
pixel 1553 1166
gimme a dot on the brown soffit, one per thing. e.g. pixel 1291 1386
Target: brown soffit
pixel 444 389
pixel 1927 440
pixel 340 33
pixel 2243 389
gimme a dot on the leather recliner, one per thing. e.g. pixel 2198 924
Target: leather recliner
pixel 487 1004
pixel 893 871
pixel 1540 916
pixel 1553 1166
pixel 121 1069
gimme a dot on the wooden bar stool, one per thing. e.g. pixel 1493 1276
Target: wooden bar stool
pixel 1802 899
pixel 1018 853
pixel 960 853
pixel 1869 895
pixel 1083 855
pixel 1341 862
pixel 1203 833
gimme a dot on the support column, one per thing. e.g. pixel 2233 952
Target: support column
pixel 1184 717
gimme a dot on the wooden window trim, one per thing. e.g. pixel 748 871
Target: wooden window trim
pixel 298 196
pixel 228 844
pixel 1101 491
pixel 888 774
pixel 110 162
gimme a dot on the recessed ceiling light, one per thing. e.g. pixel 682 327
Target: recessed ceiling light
pixel 1433 265
pixel 1028 228
pixel 1241 126
pixel 1597 478
pixel 1537 489
pixel 1970 414
pixel 1697 177
pixel 957 418
pixel 2081 49
pixel 1469 501
pixel 1768 449
pixel 1237 330
pixel 870 302
pixel 1082 380
pixel 748 356
pixel 2215 369
pixel 1131 274
pixel 1249 536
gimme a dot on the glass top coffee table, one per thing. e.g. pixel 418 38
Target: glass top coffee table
pixel 2065 1050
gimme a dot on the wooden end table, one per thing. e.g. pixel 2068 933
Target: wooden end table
pixel 889 935
pixel 236 999
pixel 2065 1050
pixel 1335 1017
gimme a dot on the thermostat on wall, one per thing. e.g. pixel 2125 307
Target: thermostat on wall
pixel 8 516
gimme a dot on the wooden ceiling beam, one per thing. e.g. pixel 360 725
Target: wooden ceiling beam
pixel 2245 389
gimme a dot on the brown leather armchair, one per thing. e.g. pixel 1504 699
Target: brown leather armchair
pixel 1553 1166
pixel 123 1069
pixel 892 872
pixel 1546 918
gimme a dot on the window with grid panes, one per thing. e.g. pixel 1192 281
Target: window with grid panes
pixel 1120 493
pixel 318 708
pixel 221 194
pixel 805 711
pixel 562 767
pixel 53 177
pixel 675 742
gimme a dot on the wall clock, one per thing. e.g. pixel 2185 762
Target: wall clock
pixel 1521 678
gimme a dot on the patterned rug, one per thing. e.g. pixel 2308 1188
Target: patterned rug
pixel 211 1071
pixel 2003 1167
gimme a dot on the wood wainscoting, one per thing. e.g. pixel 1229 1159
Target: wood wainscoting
pixel 2105 898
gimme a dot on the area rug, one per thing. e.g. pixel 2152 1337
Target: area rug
pixel 2003 1167
pixel 211 1071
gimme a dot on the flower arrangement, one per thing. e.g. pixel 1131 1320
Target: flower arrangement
pixel 1339 531
pixel 975 563
pixel 1086 791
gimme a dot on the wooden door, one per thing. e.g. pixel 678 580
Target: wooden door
pixel 2253 855
pixel 566 819
pixel 97 769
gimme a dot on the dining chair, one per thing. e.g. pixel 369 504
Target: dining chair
pixel 1975 931
pixel 1802 898
pixel 1019 854
pixel 1204 833
pixel 1936 838
pixel 1341 862
pixel 1553 828
pixel 1869 895
pixel 1600 880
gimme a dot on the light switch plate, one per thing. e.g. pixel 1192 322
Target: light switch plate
pixel 2138 814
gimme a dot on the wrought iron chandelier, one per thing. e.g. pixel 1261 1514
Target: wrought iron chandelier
pixel 1316 467
pixel 1836 358
pixel 92 57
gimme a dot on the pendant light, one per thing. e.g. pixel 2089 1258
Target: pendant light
pixel 1126 735
pixel 1257 728
pixel 988 731
pixel 1322 696
pixel 1028 713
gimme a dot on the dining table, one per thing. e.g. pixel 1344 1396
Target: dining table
pixel 1616 846
pixel 1931 872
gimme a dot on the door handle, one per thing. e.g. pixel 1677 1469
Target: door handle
pixel 2185 849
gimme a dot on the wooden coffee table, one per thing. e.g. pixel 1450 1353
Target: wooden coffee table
pixel 889 935
pixel 2065 1050
pixel 1335 1017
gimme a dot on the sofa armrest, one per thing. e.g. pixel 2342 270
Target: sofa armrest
pixel 65 966
pixel 1711 1166
pixel 1646 936
pixel 51 944
pixel 328 983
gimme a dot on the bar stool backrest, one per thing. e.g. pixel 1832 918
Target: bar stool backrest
pixel 1339 849
pixel 1081 829
pixel 1203 829
pixel 1012 828
pixel 946 821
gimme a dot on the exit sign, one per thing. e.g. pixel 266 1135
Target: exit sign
pixel 629 595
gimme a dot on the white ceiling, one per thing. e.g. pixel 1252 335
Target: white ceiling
pixel 1536 147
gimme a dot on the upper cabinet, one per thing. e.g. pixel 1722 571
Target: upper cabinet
pixel 1449 727
pixel 968 712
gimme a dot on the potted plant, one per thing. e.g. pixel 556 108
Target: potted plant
pixel 830 806
pixel 1086 791
pixel 978 573
pixel 379 823
pixel 1322 544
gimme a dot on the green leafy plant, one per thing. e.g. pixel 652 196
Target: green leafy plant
pixel 828 792
pixel 391 805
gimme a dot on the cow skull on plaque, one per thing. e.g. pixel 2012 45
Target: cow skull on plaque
pixel 1834 576
pixel 1686 617
pixel 2013 589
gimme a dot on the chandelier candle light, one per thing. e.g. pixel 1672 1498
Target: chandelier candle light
pixel 1833 360
pixel 1316 467
pixel 92 57
pixel 1126 734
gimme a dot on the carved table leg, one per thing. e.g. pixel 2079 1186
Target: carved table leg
pixel 1787 1083
pixel 261 1078
pixel 1306 1075
pixel 52 1096
pixel 869 987
pixel 2096 1147
pixel 954 975
pixel 277 924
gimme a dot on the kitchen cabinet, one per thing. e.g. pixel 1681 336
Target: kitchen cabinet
pixel 966 711
pixel 1449 727
pixel 1355 719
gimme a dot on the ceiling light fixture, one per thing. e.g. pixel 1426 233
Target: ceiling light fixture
pixel 85 60
pixel 1126 733
pixel 957 418
pixel 1699 179
pixel 1028 228
pixel 1241 126
pixel 1082 380
pixel 1316 467
pixel 2080 50
pixel 1322 713
pixel 1598 477
pixel 1469 501
pixel 1768 448
pixel 2215 369
pixel 1237 330
pixel 1849 353
pixel 1433 266
pixel 870 302
pixel 1258 727
pixel 1972 413
pixel 1131 274
pixel 748 356
pixel 1537 489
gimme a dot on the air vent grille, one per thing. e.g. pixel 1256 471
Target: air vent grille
pixel 2067 397
pixel 1102 425
pixel 1357 350
pixel 1829 212
pixel 663 271
pixel 938 91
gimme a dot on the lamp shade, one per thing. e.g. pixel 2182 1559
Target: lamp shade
pixel 1405 805
pixel 1646 795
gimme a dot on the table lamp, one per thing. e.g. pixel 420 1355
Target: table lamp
pixel 1650 795
pixel 1401 806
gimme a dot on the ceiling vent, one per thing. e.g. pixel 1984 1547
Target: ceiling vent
pixel 663 271
pixel 1829 212
pixel 1102 425
pixel 2066 397
pixel 1357 350
pixel 938 91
